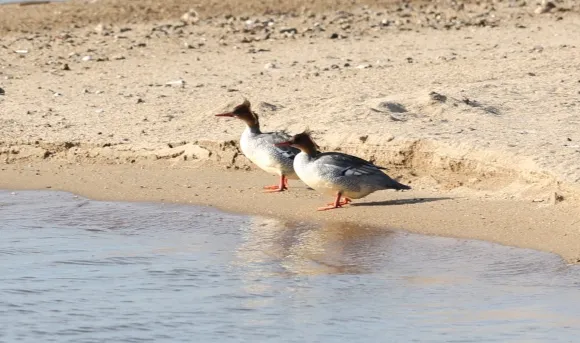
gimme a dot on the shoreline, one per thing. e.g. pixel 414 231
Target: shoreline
pixel 473 104
pixel 513 223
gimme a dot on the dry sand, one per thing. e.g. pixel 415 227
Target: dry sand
pixel 473 101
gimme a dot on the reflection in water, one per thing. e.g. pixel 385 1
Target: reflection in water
pixel 75 270
pixel 300 249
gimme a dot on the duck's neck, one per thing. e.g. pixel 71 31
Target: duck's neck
pixel 311 151
pixel 254 128
pixel 253 125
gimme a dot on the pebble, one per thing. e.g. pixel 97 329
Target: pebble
pixel 190 17
pixel 545 7
pixel 100 28
pixel 270 66
pixel 290 30
pixel 437 97
pixel 268 106
pixel 363 66
pixel 65 67
pixel 176 83
pixel 556 198
pixel 2 91
pixel 86 58
pixel 390 106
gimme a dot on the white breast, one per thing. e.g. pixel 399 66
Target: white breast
pixel 312 175
pixel 255 153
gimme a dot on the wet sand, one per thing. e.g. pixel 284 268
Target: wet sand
pixel 517 223
pixel 472 103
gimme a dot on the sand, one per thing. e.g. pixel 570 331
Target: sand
pixel 474 105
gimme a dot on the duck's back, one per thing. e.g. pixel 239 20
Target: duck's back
pixel 353 176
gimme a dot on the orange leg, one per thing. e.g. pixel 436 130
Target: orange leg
pixel 282 186
pixel 336 204
pixel 346 201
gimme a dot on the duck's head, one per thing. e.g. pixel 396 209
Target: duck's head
pixel 302 141
pixel 243 112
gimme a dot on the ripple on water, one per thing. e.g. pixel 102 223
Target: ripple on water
pixel 76 270
pixel 109 261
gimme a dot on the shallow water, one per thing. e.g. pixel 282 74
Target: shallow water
pixel 76 270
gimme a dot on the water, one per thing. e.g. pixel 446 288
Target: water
pixel 76 270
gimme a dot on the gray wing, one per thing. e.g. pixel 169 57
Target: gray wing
pixel 279 137
pixel 348 165
pixel 352 167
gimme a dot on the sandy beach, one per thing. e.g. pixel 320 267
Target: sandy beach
pixel 474 104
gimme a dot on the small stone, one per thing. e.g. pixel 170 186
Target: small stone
pixel 289 30
pixel 268 106
pixel 176 83
pixel 437 97
pixel 87 58
pixel 390 106
pixel 100 28
pixel 270 65
pixel 334 36
pixel 190 17
pixel 363 66
pixel 21 51
pixel 545 7
pixel 2 91
pixel 65 67
pixel 140 101
pixel 556 198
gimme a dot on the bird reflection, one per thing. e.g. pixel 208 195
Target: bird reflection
pixel 273 247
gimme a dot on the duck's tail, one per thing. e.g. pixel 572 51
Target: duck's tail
pixel 392 184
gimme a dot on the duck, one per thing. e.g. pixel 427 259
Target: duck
pixel 341 175
pixel 259 147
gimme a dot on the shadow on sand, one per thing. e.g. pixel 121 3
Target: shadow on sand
pixel 400 201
